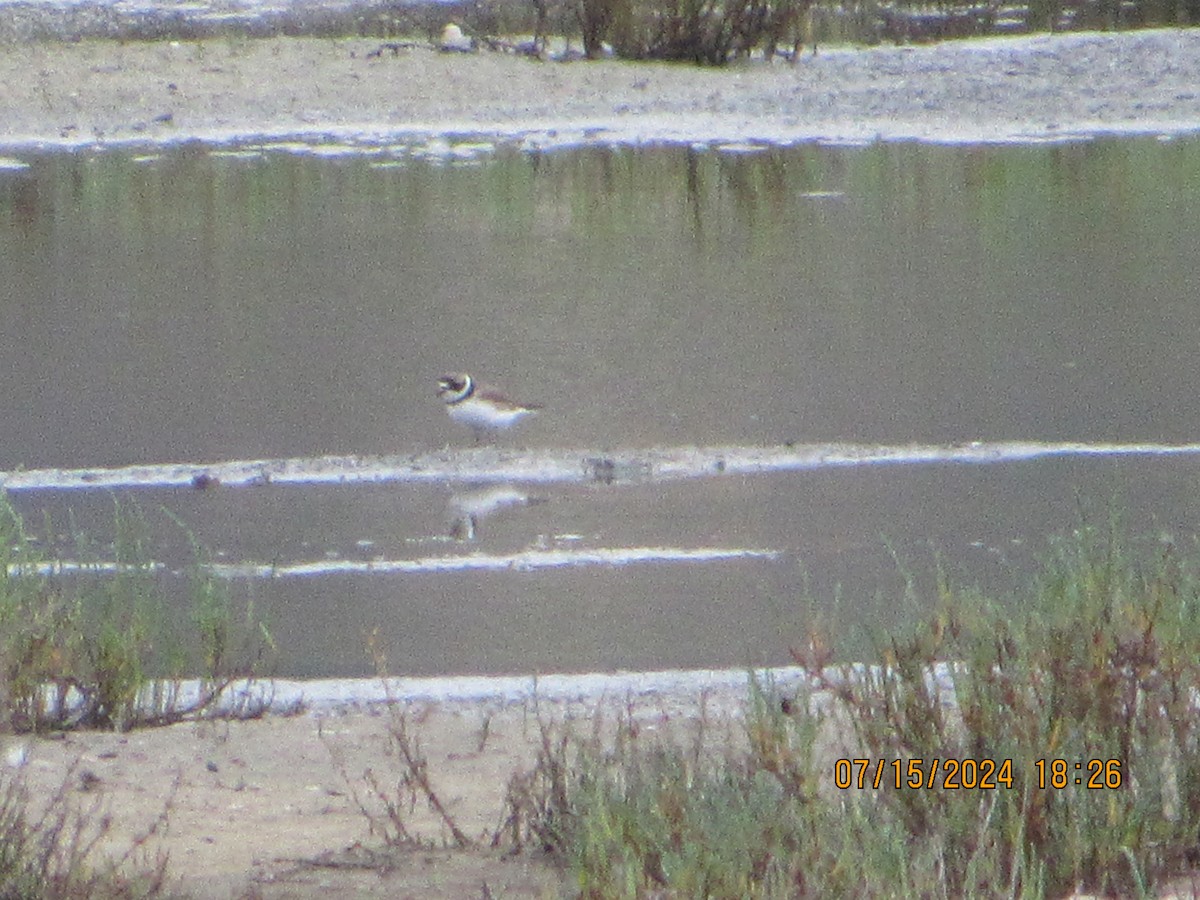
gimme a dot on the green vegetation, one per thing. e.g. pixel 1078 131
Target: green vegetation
pixel 1098 667
pixel 107 646
pixel 101 648
pixel 1025 746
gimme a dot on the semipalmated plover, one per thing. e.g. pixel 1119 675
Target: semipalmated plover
pixel 480 408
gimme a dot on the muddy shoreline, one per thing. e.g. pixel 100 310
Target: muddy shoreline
pixel 281 806
pixel 308 91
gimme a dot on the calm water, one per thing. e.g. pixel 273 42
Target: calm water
pixel 202 308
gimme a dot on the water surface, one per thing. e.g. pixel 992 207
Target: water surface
pixel 203 309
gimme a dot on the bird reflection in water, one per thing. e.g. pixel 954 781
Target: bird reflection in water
pixel 469 508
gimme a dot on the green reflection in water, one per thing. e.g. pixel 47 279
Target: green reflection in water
pixel 889 292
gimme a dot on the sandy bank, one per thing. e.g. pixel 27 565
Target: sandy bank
pixel 283 89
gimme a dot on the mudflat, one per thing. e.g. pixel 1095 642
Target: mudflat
pixel 313 89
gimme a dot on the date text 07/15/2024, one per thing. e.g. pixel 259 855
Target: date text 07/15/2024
pixel 973 774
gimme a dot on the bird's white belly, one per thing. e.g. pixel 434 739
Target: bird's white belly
pixel 478 414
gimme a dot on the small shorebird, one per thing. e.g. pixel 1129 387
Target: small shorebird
pixel 481 408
